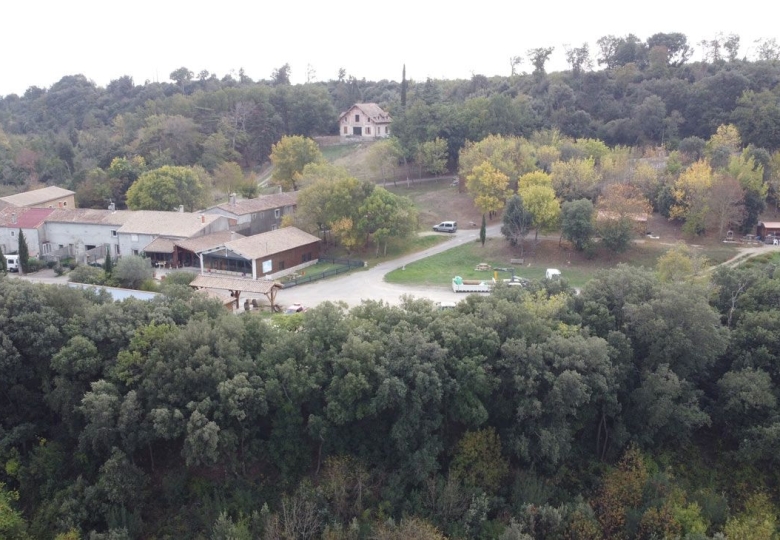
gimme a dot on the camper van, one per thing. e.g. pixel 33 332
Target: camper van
pixel 12 262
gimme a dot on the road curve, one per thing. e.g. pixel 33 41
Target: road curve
pixel 371 285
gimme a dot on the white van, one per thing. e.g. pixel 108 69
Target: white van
pixel 552 273
pixel 12 262
pixel 446 226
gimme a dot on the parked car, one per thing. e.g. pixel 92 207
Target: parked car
pixel 446 226
pixel 12 263
pixel 295 308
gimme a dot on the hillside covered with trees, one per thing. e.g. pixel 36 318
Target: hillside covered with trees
pixel 98 141
pixel 645 407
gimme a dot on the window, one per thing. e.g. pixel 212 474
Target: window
pixel 13 233
pixel 116 249
pixel 134 237
pixel 65 203
pixel 357 118
pixel 306 257
pixel 135 252
pixel 113 233
pixel 368 130
pixel 281 265
pixel 277 213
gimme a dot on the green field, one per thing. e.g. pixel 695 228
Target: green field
pixel 439 270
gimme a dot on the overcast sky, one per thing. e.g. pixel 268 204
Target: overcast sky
pixel 42 41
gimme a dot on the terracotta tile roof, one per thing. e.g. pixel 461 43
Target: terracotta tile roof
pixel 265 244
pixel 210 241
pixel 371 110
pixel 23 218
pixel 37 196
pixel 234 284
pixel 264 202
pixel 171 224
pixel 89 215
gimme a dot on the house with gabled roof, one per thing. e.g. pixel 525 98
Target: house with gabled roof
pixel 364 121
pixel 49 197
pixel 258 215
pixel 267 255
pixel 28 220
pixel 126 232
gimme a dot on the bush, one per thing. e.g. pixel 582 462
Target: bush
pixel 69 262
pixel 132 271
pixel 33 264
pixel 87 274
pixel 149 285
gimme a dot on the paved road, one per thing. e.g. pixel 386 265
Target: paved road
pixel 370 284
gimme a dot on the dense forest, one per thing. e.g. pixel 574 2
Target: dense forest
pixel 644 407
pixel 97 140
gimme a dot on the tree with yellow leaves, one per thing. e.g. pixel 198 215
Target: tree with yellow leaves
pixel 575 179
pixel 489 187
pixel 541 203
pixel 690 195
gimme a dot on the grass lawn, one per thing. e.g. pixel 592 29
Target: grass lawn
pixel 575 267
pixel 394 249
pixel 332 153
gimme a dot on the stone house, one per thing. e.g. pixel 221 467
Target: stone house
pixel 48 197
pixel 30 221
pixel 255 216
pixel 364 121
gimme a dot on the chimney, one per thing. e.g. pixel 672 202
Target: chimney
pixel 13 217
pixel 181 208
pixel 232 199
pixel 112 207
pixel 202 218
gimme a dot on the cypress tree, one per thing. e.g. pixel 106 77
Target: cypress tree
pixel 483 231
pixel 24 252
pixel 404 85
pixel 3 265
pixel 108 264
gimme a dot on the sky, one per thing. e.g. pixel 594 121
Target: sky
pixel 45 40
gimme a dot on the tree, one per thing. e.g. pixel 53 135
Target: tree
pixel 577 222
pixel 281 76
pixel 181 76
pixel 24 253
pixel 432 156
pixel 3 264
pixel 108 264
pixel 541 203
pixel 483 231
pixel 690 195
pixel 619 208
pixel 539 57
pixel 383 156
pixel 725 204
pixel 289 157
pixel 575 179
pixel 578 59
pixel 166 188
pixel 488 186
pixel 131 271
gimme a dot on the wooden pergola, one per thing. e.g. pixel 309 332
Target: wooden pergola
pixel 237 285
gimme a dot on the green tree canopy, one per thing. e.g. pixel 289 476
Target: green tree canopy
pixel 165 189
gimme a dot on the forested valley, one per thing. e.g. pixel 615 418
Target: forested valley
pixel 643 406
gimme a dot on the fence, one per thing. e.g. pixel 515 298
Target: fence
pixel 312 275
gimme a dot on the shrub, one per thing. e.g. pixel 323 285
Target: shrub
pixel 132 271
pixel 33 264
pixel 87 274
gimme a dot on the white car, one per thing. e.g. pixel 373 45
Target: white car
pixel 446 226
pixel 295 308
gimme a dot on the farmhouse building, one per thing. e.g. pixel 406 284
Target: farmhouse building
pixel 267 255
pixel 364 121
pixel 259 215
pixel 48 197
pixel 29 220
